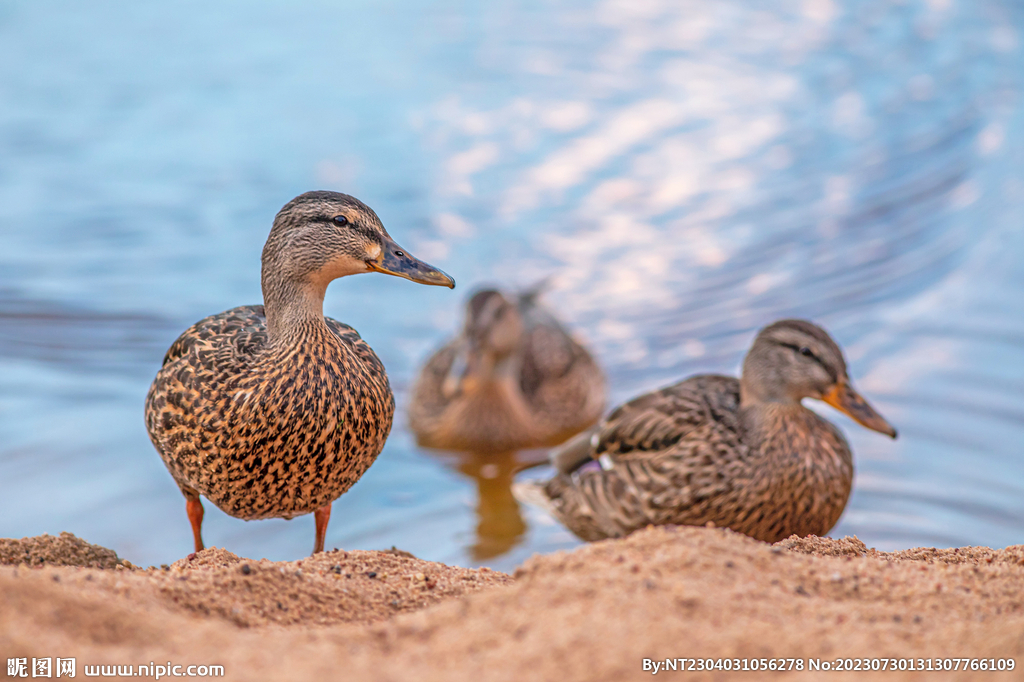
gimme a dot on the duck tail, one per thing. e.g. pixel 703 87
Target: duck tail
pixel 530 295
pixel 534 493
pixel 564 502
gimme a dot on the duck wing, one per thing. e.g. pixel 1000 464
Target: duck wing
pixel 559 378
pixel 242 330
pixel 353 340
pixel 655 422
pixel 436 385
pixel 669 456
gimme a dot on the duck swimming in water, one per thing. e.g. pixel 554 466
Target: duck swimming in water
pixel 274 410
pixel 745 455
pixel 512 379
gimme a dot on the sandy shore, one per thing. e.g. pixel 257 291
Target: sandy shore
pixel 591 614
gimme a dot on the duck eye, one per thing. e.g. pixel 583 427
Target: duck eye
pixel 806 352
pixel 400 254
pixel 340 220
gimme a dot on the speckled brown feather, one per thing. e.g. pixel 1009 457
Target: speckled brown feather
pixel 265 431
pixel 687 455
pixel 554 390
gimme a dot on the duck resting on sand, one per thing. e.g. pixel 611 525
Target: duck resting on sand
pixel 745 455
pixel 512 379
pixel 274 410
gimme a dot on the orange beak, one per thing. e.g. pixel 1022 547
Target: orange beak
pixel 842 397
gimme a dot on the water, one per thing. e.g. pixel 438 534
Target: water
pixel 688 172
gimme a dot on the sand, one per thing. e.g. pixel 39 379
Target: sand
pixel 64 550
pixel 591 614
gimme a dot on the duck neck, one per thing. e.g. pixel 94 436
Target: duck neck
pixel 498 367
pixel 294 309
pixel 793 436
pixel 761 419
pixel 486 371
pixel 763 410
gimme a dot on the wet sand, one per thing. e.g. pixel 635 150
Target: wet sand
pixel 591 614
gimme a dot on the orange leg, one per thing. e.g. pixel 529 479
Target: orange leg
pixel 322 516
pixel 195 515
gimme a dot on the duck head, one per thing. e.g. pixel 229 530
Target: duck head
pixel 491 334
pixel 320 236
pixel 794 359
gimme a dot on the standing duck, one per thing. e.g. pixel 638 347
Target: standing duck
pixel 711 450
pixel 275 410
pixel 512 379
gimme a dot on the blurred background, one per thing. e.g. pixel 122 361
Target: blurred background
pixel 688 171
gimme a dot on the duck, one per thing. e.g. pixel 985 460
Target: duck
pixel 715 451
pixel 512 379
pixel 274 410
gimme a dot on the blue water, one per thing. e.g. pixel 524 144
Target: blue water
pixel 687 172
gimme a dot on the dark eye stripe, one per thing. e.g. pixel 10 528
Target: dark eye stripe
pixel 353 225
pixel 812 355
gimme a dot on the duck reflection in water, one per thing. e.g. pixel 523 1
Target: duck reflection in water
pixel 512 380
pixel 499 524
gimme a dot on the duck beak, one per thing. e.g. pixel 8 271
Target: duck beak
pixel 842 397
pixel 394 260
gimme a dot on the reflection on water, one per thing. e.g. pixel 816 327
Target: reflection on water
pixel 500 524
pixel 688 171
